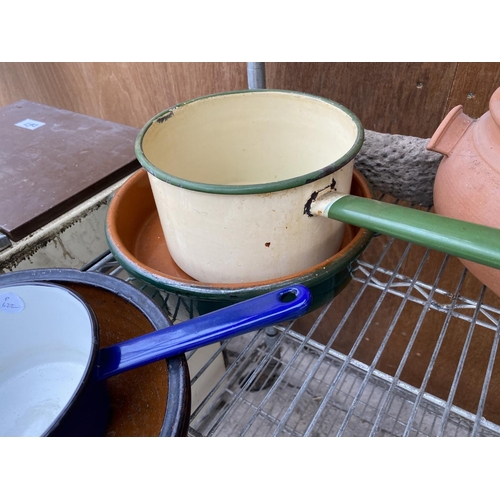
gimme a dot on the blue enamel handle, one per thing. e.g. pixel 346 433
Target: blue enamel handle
pixel 265 310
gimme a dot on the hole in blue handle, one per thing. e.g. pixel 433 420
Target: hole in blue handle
pixel 288 296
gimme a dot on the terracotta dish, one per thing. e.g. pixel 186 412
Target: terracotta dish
pixel 136 240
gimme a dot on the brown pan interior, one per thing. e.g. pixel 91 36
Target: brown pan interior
pixel 138 397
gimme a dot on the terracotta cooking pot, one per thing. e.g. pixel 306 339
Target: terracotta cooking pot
pixel 467 184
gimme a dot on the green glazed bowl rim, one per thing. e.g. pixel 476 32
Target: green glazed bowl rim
pixel 310 277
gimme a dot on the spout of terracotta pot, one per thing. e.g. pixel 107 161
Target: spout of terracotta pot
pixel 494 106
pixel 450 131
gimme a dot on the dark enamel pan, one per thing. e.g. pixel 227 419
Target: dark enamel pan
pixel 54 368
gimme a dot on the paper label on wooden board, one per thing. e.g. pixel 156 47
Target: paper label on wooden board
pixel 30 124
pixel 11 303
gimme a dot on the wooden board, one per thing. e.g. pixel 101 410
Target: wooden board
pixel 397 98
pixel 473 85
pixel 128 93
pixel 54 161
pixel 394 98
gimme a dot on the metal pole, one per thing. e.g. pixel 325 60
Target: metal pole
pixel 256 72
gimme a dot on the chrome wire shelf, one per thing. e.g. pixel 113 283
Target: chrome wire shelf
pixel 315 377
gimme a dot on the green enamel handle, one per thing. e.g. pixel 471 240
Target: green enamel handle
pixel 465 240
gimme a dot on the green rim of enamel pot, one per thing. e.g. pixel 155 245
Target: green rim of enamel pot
pixel 248 188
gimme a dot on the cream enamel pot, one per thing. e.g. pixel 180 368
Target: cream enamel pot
pixel 253 185
pixel 52 370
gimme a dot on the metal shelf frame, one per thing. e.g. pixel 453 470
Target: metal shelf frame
pixel 279 382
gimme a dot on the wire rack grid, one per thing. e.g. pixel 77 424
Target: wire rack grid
pixel 426 322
